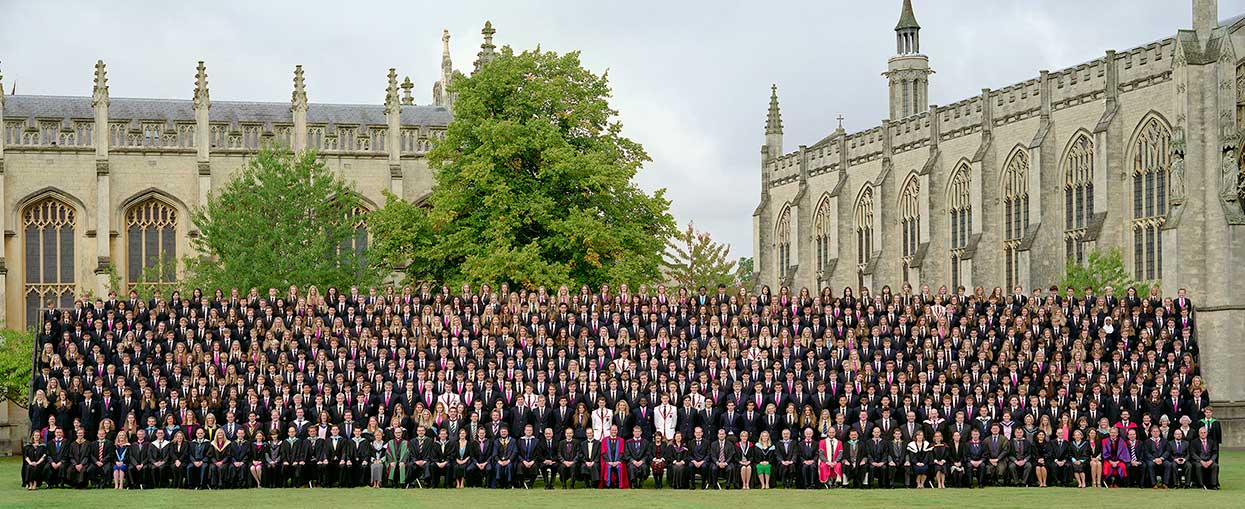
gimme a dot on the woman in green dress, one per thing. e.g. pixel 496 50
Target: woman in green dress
pixel 764 459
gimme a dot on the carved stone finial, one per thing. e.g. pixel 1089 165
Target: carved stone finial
pixel 488 32
pixel 201 87
pixel 407 87
pixel 298 100
pixel 445 40
pixel 100 97
pixel 486 48
pixel 773 119
pixel 392 101
pixel 1 89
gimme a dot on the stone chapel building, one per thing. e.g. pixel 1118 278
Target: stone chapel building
pixel 1138 150
pixel 94 187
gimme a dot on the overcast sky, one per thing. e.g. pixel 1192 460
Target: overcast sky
pixel 691 79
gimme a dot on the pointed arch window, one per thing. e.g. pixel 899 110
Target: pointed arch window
pixel 1015 213
pixel 1078 196
pixel 1151 162
pixel 353 249
pixel 910 220
pixel 864 231
pixel 959 201
pixel 821 235
pixel 151 243
pixel 48 234
pixel 783 234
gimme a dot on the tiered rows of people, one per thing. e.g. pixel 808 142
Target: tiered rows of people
pixel 528 388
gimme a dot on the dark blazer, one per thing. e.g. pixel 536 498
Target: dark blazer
pixel 725 449
pixel 1209 452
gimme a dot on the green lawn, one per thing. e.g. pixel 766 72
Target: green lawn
pixel 1233 480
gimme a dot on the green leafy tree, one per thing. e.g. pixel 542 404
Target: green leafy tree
pixel 743 271
pixel 533 185
pixel 693 259
pixel 16 349
pixel 1103 269
pixel 283 220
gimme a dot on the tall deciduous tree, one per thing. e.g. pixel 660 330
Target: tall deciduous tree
pixel 16 348
pixel 533 185
pixel 284 219
pixel 1102 269
pixel 743 271
pixel 693 259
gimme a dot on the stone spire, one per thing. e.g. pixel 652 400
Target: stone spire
pixel 298 99
pixel 298 110
pixel 773 119
pixel 201 87
pixel 393 121
pixel 100 97
pixel 407 87
pixel 393 103
pixel 1 97
pixel 486 48
pixel 203 129
pixel 447 66
pixel 773 125
pixel 906 18
pixel 99 102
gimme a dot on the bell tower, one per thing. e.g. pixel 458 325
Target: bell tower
pixel 908 71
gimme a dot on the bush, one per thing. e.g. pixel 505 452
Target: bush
pixel 16 350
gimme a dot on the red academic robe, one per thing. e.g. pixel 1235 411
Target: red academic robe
pixel 618 456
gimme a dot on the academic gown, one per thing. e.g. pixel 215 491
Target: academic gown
pixel 830 456
pixel 616 453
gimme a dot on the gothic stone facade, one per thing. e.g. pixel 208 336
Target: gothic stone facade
pixel 1137 150
pixel 92 187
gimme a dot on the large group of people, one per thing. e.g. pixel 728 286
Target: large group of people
pixel 425 386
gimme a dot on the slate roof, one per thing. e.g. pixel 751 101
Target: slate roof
pixel 182 110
